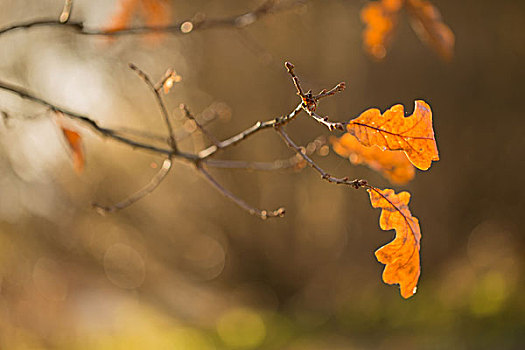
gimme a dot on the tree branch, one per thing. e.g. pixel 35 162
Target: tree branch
pixel 150 187
pixel 199 22
pixel 172 143
pixel 263 214
pixel 339 181
pixel 208 152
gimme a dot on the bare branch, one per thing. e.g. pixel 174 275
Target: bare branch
pixel 310 101
pixel 325 93
pixel 263 214
pixel 199 22
pixel 324 120
pixel 290 68
pixel 113 134
pixel 190 116
pixel 150 187
pixel 248 132
pixel 340 181
pixel 172 143
pixel 295 162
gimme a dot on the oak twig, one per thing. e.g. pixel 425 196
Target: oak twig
pixel 202 158
pixel 248 132
pixel 263 214
pixel 190 116
pixel 340 181
pixel 199 22
pixel 172 143
pixel 150 187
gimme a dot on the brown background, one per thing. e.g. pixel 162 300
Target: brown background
pixel 185 268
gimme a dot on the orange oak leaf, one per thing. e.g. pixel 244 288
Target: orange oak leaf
pixel 393 165
pixel 393 131
pixel 74 141
pixel 380 18
pixel 428 25
pixel 401 256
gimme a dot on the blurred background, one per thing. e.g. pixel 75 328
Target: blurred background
pixel 185 268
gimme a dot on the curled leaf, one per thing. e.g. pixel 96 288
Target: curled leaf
pixel 428 25
pixel 380 18
pixel 74 141
pixel 392 165
pixel 393 131
pixel 401 256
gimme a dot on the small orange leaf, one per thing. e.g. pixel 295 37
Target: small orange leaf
pixel 393 165
pixel 428 25
pixel 380 18
pixel 393 131
pixel 74 141
pixel 401 256
pixel 155 13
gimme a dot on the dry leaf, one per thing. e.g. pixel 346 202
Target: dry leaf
pixel 74 141
pixel 154 12
pixel 170 81
pixel 428 25
pixel 393 131
pixel 401 256
pixel 392 165
pixel 380 18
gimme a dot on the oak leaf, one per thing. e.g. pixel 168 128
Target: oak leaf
pixel 393 131
pixel 401 256
pixel 428 25
pixel 393 165
pixel 380 18
pixel 74 141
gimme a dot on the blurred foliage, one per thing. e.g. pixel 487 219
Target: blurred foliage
pixel 186 269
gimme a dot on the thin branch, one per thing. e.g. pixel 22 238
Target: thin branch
pixel 325 93
pixel 324 120
pixel 208 152
pixel 263 214
pixel 295 162
pixel 190 116
pixel 160 102
pixel 199 22
pixel 92 124
pixel 150 187
pixel 290 68
pixel 310 101
pixel 340 181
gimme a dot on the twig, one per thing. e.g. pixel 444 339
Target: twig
pixel 340 181
pixel 325 93
pixel 92 124
pixel 290 67
pixel 263 214
pixel 248 132
pixel 295 161
pixel 150 187
pixel 190 116
pixel 310 101
pixel 325 121
pixel 172 143
pixel 180 28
